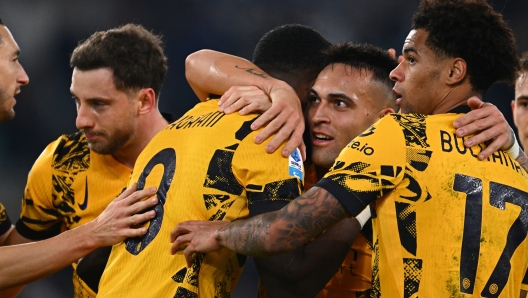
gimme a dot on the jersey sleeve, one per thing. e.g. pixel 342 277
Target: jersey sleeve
pixel 39 219
pixel 270 180
pixel 369 167
pixel 524 284
pixel 5 223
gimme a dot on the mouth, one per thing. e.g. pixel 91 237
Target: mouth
pixel 398 96
pixel 320 139
pixel 91 136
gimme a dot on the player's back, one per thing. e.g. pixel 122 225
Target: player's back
pixel 453 224
pixel 191 163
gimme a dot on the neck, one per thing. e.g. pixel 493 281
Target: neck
pixel 454 97
pixel 148 127
pixel 320 172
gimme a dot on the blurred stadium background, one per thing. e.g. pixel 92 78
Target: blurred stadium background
pixel 48 30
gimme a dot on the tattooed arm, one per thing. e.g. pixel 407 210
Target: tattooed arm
pixel 271 233
pixel 210 72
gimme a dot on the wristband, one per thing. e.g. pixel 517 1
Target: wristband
pixel 364 216
pixel 514 149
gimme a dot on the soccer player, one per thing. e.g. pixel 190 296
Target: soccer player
pixel 520 104
pixel 445 222
pixel 25 263
pixel 208 167
pixel 116 80
pixel 350 94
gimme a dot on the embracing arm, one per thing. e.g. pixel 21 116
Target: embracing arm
pixel 305 272
pixel 211 72
pixel 20 264
pixel 267 234
pixel 487 124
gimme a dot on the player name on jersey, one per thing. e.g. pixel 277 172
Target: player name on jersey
pixel 189 121
pixel 451 143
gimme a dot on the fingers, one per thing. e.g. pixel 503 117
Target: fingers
pixel 392 53
pixel 240 97
pixel 141 206
pixel 295 141
pixel 188 252
pixel 138 195
pixel 126 193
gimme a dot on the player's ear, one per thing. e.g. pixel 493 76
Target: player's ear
pixel 456 71
pixel 385 112
pixel 147 100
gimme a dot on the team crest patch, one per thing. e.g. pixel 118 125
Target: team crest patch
pixel 295 164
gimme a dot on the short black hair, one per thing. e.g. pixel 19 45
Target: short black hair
pixel 291 49
pixel 1 23
pixel 134 54
pixel 473 31
pixel 363 57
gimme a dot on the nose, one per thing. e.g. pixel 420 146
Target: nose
pixel 318 113
pixel 397 74
pixel 22 77
pixel 84 120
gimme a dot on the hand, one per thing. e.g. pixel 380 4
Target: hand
pixel 245 100
pixel 120 218
pixel 486 123
pixel 392 53
pixel 200 236
pixel 284 118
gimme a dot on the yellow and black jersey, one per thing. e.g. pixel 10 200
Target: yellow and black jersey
pixel 5 223
pixel 205 167
pixel 445 223
pixel 353 279
pixel 69 185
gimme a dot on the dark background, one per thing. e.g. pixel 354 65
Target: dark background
pixel 48 30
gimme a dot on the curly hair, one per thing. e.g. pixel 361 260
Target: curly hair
pixel 291 49
pixel 471 30
pixel 363 57
pixel 134 55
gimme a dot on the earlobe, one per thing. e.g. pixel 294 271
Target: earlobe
pixel 457 71
pixel 147 100
pixel 385 112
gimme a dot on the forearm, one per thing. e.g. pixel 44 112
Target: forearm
pixel 21 264
pixel 284 230
pixel 305 272
pixel 522 159
pixel 211 72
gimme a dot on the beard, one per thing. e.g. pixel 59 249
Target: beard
pixel 110 145
pixel 6 109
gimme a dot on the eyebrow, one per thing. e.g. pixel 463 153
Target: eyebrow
pixel 408 50
pixel 340 95
pixel 522 97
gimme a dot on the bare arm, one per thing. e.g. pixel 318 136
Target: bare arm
pixel 268 234
pixel 305 272
pixel 20 264
pixel 211 72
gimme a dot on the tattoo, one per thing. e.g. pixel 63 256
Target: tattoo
pixel 253 71
pixel 522 159
pixel 286 229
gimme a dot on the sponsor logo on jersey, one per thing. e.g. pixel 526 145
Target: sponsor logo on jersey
pixel 364 148
pixel 85 204
pixel 295 164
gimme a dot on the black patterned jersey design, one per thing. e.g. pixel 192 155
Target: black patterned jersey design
pixel 69 185
pixel 206 167
pixel 5 223
pixel 445 224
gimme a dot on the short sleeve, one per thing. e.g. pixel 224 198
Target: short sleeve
pixel 369 167
pixel 39 219
pixel 270 180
